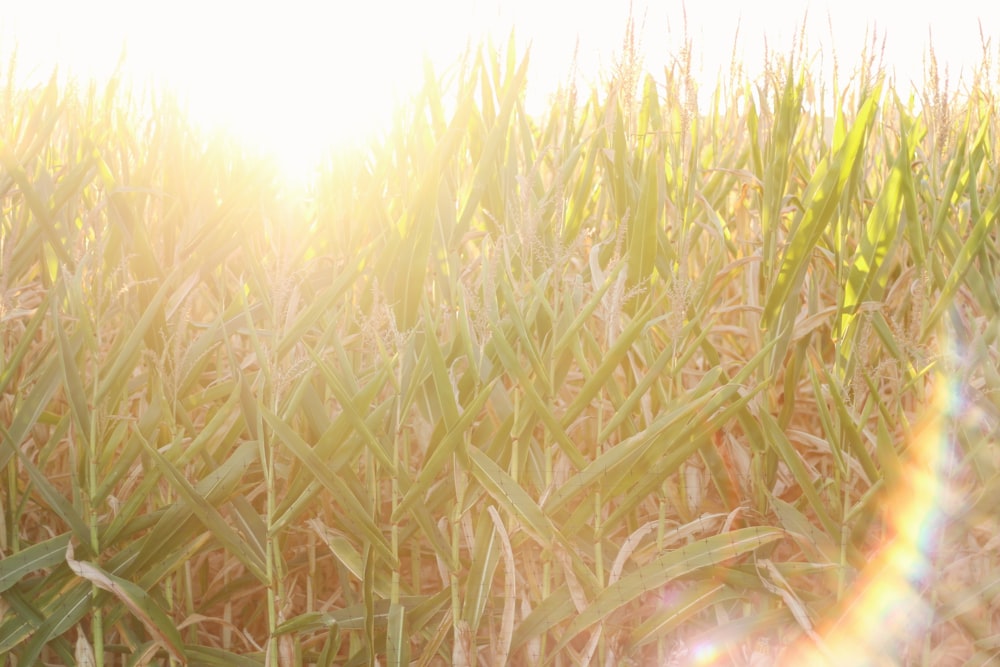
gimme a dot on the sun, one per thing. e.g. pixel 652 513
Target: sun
pixel 295 121
pixel 294 81
pixel 293 85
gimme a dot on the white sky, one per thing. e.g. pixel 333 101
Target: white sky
pixel 296 75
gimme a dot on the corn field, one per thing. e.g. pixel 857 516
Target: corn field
pixel 627 383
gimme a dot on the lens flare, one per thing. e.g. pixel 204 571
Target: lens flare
pixel 886 609
pixel 705 654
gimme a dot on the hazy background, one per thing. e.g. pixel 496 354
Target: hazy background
pixel 307 75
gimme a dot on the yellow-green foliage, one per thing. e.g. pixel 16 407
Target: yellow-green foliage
pixel 623 382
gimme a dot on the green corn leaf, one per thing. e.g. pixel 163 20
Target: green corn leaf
pixel 46 554
pixel 669 566
pixel 138 601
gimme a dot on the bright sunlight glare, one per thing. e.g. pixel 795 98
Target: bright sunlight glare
pixel 300 78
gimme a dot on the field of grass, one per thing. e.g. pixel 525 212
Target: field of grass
pixel 623 384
